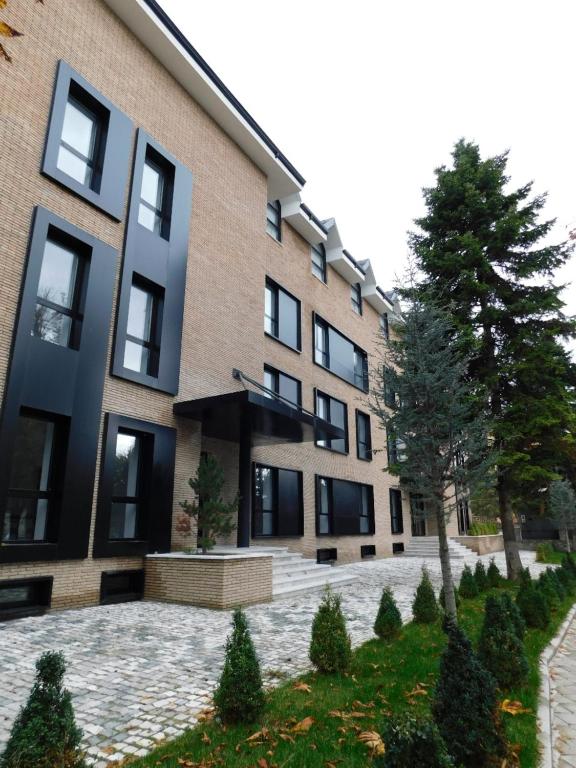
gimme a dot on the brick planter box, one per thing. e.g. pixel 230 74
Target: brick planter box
pixel 209 581
pixel 483 545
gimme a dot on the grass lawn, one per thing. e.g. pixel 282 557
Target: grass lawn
pixel 550 557
pixel 386 677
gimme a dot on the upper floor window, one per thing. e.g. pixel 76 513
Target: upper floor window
pixel 287 387
pixel 391 397
pixel 356 298
pixel 83 136
pixel 339 355
pixel 274 219
pixel 126 514
pixel 282 315
pixel 396 516
pixel 363 436
pixel 319 261
pixel 385 325
pixel 396 449
pixel 335 412
pixel 156 194
pixel 58 310
pixel 142 350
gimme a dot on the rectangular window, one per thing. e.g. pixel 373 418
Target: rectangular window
pixel 390 395
pixel 278 506
pixel 418 513
pixel 319 261
pixel 60 297
pixel 356 298
pixel 25 597
pixel 396 449
pixel 83 138
pixel 363 436
pixel 287 387
pixel 396 516
pixel 335 412
pixel 344 508
pixel 121 586
pixel 142 350
pixel 339 355
pixel 156 194
pixel 274 219
pixel 35 480
pixel 385 325
pixel 127 487
pixel 282 315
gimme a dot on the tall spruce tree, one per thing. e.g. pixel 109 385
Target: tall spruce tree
pixel 436 440
pixel 480 248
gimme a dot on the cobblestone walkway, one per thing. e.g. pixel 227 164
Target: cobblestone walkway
pixel 139 671
pixel 563 701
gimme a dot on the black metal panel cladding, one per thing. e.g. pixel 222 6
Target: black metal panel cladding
pixel 61 381
pixel 151 257
pixel 114 152
pixel 159 478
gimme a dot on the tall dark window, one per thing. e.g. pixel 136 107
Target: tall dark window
pixel 274 219
pixel 390 395
pixel 396 516
pixel 58 310
pixel 82 139
pixel 363 436
pixel 339 355
pixel 283 385
pixel 343 508
pixel 142 351
pixel 319 261
pixel 277 505
pixel 35 479
pixel 396 449
pixel 418 513
pixel 156 194
pixel 385 325
pixel 126 512
pixel 356 298
pixel 281 315
pixel 335 412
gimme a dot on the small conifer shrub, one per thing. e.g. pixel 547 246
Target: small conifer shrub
pixel 558 585
pixel 425 607
pixel 388 620
pixel 468 587
pixel 525 577
pixel 239 697
pixel 569 565
pixel 442 601
pixel 44 734
pixel 480 576
pixel 330 647
pixel 500 649
pixel 514 614
pixel 465 705
pixel 533 606
pixel 493 575
pixel 566 579
pixel 412 743
pixel 547 588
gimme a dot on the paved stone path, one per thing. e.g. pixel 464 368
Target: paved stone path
pixel 563 700
pixel 139 671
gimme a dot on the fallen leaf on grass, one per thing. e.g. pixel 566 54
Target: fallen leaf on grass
pixel 262 763
pixel 373 741
pixel 259 735
pixel 513 707
pixel 287 737
pixel 304 687
pixel 303 726
pixel 206 739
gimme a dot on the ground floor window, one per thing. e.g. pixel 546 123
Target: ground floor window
pixel 278 508
pixel 343 507
pixel 25 597
pixel 396 516
pixel 128 497
pixel 418 514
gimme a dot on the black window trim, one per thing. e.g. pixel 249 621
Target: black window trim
pixel 166 169
pixel 153 345
pixel 398 494
pixel 319 392
pixel 28 609
pixel 270 282
pixel 320 250
pixel 356 298
pixel 277 205
pixel 369 456
pixel 276 469
pixel 318 317
pixel 371 511
pixel 278 372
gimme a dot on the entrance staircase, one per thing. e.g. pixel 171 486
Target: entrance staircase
pixel 427 547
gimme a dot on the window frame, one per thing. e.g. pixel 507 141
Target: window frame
pixel 369 456
pixel 275 289
pixel 145 452
pixel 371 515
pixel 154 343
pixel 166 171
pixel 276 206
pixel 356 298
pixel 276 372
pixel 385 325
pixel 276 497
pixel 394 518
pixel 319 250
pixel 318 393
pixel 41 589
pixel 319 321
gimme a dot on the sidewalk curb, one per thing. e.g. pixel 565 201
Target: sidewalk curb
pixel 544 703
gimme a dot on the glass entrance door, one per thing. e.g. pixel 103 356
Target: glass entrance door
pixel 418 514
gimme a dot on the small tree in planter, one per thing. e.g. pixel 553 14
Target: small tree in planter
pixel 562 507
pixel 412 743
pixel 493 575
pixel 468 587
pixel 330 646
pixel 425 607
pixel 239 697
pixel 500 649
pixel 214 517
pixel 44 734
pixel 388 621
pixel 480 576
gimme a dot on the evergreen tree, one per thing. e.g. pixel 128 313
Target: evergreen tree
pixel 425 607
pixel 388 621
pixel 500 649
pixel 436 439
pixel 465 705
pixel 493 574
pixel 548 589
pixel 533 606
pixel 480 576
pixel 558 585
pixel 514 615
pixel 468 587
pixel 44 734
pixel 214 517
pixel 330 646
pixel 412 743
pixel 239 697
pixel 479 248
pixel 562 507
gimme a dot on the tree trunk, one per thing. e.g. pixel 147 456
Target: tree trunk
pixel 567 537
pixel 513 562
pixel 447 580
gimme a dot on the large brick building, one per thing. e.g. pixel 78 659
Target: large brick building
pixel 157 264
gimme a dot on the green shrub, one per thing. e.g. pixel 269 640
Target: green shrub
pixel 465 706
pixel 468 587
pixel 514 614
pixel 330 647
pixel 525 577
pixel 425 607
pixel 500 649
pixel 544 552
pixel 533 606
pixel 388 620
pixel 480 576
pixel 483 529
pixel 547 588
pixel 239 697
pixel 569 565
pixel 558 585
pixel 44 734
pixel 412 743
pixel 565 578
pixel 493 574
pixel 442 601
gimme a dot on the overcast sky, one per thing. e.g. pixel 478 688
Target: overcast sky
pixel 366 98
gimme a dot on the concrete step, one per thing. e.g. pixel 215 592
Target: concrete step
pixel 312 584
pixel 295 566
